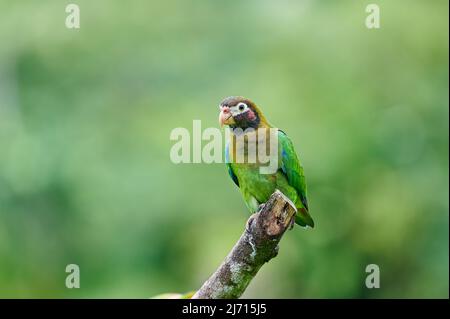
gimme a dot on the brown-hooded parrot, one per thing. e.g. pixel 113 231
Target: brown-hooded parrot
pixel 241 113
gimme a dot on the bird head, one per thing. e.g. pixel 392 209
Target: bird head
pixel 240 112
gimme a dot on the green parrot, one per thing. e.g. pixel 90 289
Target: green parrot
pixel 241 113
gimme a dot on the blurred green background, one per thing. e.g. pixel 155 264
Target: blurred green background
pixel 85 118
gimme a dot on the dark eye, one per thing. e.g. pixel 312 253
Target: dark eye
pixel 241 106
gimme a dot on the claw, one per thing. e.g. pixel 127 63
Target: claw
pixel 250 222
pixel 292 223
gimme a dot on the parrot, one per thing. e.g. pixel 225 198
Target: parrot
pixel 238 112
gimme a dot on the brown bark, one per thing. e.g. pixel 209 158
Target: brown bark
pixel 257 245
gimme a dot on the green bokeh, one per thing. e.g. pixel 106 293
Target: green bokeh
pixel 85 119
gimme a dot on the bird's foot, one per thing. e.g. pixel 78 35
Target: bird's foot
pixel 252 218
pixel 250 222
pixel 291 223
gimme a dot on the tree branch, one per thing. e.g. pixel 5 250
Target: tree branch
pixel 257 245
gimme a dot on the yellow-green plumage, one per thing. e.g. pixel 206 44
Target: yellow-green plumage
pixel 256 188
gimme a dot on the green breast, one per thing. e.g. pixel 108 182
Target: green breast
pixel 261 186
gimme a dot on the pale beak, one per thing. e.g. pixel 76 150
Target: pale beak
pixel 225 117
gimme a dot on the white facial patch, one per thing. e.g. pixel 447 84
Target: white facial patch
pixel 239 108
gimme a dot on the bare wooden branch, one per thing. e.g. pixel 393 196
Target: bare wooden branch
pixel 257 245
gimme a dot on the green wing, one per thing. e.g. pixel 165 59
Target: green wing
pixel 291 167
pixel 230 169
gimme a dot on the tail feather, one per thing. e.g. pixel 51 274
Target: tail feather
pixel 303 218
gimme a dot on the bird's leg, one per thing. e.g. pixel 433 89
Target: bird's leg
pixel 252 217
pixel 291 223
pixel 250 222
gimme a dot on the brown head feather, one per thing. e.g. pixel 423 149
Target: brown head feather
pixel 235 100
